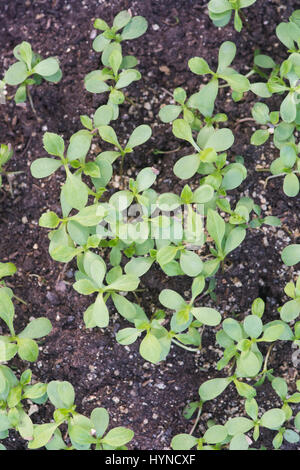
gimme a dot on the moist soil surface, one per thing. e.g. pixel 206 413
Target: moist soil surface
pixel 145 397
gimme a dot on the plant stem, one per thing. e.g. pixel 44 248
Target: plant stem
pixel 194 350
pixel 196 421
pixel 31 102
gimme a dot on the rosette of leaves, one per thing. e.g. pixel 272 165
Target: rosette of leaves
pixel 220 12
pixel 184 324
pixel 233 434
pixel 281 388
pixel 118 69
pixel 287 165
pixel 170 112
pixel 204 100
pixel 14 394
pixel 23 343
pixel 83 433
pixel 30 69
pixel 90 279
pixel 209 159
pixel 290 311
pixel 240 341
pixel 74 192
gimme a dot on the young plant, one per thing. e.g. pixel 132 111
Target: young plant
pixel 118 71
pixel 83 433
pixel 24 343
pixel 13 402
pixel 220 12
pixel 30 69
pixel 283 80
pixel 204 100
pixel 156 344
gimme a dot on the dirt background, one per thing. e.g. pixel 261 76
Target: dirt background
pixel 147 398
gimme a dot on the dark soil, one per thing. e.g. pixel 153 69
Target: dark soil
pixel 148 398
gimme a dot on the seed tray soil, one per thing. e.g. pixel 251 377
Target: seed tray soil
pixel 147 398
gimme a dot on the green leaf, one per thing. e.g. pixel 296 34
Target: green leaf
pixel 199 66
pixel 182 130
pixel 37 328
pixel 291 255
pixel 7 269
pixel 291 185
pixel 234 239
pixel 135 28
pixel 238 425
pixel 47 67
pixel 290 310
pixel 94 82
pixel 124 306
pixel 150 348
pixel 127 336
pixel 108 134
pixel 118 437
pixel 49 220
pixel 54 144
pixel 75 191
pixel 272 333
pixel 215 434
pixel 25 52
pixel 239 442
pixel 100 420
pixel 227 53
pixel 261 89
pixel 253 326
pixel 42 434
pixel 121 19
pixel 171 299
pixel 260 137
pixel 97 314
pixel 16 74
pixel 187 166
pixel 207 316
pixel 43 167
pixel 139 136
pixel 216 227
pixel 220 140
pixel 127 77
pixel 61 394
pixel 190 263
pixel 125 283
pixel 166 254
pixel 233 329
pixel 28 349
pixel 79 145
pixel 115 60
pixel 213 388
pixel 288 109
pixel 219 6
pixel 273 419
pixel 264 61
pixel 183 442
pixel 169 113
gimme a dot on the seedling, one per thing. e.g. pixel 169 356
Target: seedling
pixel 156 344
pixel 30 69
pixel 220 12
pixel 282 124
pixel 24 343
pixel 6 153
pixel 84 433
pixel 13 398
pixel 118 70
